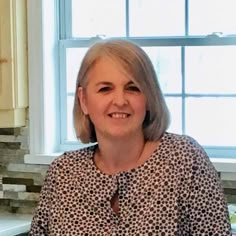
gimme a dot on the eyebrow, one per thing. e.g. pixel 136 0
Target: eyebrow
pixel 109 83
pixel 103 83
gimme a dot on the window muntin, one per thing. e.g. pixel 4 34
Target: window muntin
pixel 197 75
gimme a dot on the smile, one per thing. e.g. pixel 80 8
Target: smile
pixel 119 115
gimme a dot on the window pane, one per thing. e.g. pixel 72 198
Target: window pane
pixel 174 105
pixel 70 128
pixel 156 17
pixel 74 58
pixel 207 16
pixel 211 70
pixel 212 120
pixel 167 63
pixel 103 17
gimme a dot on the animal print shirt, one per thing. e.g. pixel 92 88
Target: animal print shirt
pixel 175 192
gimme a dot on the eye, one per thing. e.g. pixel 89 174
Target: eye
pixel 133 88
pixel 104 89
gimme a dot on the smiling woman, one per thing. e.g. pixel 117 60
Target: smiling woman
pixel 122 64
pixel 122 106
pixel 137 179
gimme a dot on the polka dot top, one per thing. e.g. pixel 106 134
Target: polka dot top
pixel 175 192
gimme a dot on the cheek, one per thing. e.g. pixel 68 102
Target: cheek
pixel 141 105
pixel 140 108
pixel 95 106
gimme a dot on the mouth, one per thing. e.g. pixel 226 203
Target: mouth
pixel 119 115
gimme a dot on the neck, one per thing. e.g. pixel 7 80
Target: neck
pixel 114 157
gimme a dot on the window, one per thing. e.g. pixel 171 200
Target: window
pixel 191 47
pixel 193 56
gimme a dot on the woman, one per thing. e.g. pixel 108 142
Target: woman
pixel 137 179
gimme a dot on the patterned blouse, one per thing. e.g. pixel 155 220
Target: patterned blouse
pixel 175 192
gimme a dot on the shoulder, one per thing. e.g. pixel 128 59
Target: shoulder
pixel 185 149
pixel 189 159
pixel 181 142
pixel 68 167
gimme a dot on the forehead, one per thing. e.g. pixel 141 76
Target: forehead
pixel 108 68
pixel 106 63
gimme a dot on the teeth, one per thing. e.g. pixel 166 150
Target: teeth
pixel 119 115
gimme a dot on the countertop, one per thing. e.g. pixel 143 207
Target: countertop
pixel 14 224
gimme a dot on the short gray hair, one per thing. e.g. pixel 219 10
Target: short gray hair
pixel 135 62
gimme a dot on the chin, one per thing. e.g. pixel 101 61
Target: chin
pixel 124 135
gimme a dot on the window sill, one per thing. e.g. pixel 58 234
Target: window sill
pixel 224 164
pixel 40 159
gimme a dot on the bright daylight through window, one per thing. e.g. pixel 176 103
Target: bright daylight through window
pixel 192 45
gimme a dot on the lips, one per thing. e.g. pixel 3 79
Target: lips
pixel 119 115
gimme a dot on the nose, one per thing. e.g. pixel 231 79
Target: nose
pixel 120 98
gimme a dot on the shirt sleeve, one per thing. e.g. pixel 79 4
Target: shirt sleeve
pixel 208 212
pixel 40 221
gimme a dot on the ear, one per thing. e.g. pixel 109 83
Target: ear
pixel 82 98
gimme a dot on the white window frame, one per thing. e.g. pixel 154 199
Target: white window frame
pixel 44 126
pixel 43 83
